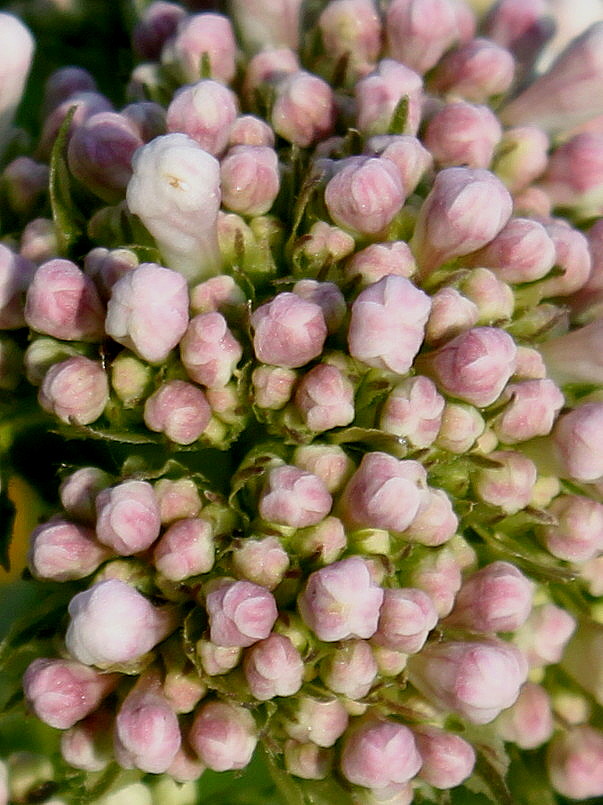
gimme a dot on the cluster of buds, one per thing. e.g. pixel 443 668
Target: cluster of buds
pixel 356 257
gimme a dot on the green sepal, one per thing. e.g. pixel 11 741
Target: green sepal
pixel 69 222
pixel 399 118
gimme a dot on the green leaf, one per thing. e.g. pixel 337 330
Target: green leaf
pixel 372 438
pixel 399 118
pixel 7 518
pixel 68 221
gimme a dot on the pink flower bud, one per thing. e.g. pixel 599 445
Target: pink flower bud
pixel 532 410
pixel 577 436
pixel 522 26
pixel 509 486
pixel 341 601
pixel 147 118
pixel 350 670
pixel 250 179
pixel 325 398
pixel 378 335
pixel 384 492
pixel 62 301
pixel 306 760
pixel 304 109
pixel 574 175
pixel 240 613
pixel 578 533
pixel 177 499
pixel 39 241
pixel 461 426
pixel 407 153
pixel 451 313
pixel 464 211
pixel 563 97
pixel 17 52
pixel 438 573
pixel 574 762
pixel 217 294
pixel 16 273
pixel 205 111
pixel 521 157
pixel 185 767
pixel 202 36
pixel 447 758
pixel 261 561
pixel 61 84
pixel 522 252
pixel 572 256
pixel 323 543
pixel 100 154
pixel 24 181
pixel 407 616
pixel 435 522
pixel 62 692
pixel 88 745
pixel 262 25
pixel 175 190
pixel 493 297
pixel 419 32
pixel 476 680
pixel 183 688
pixel 186 549
pixel 351 29
pixel 529 722
pixel 365 194
pixel 327 296
pixel 272 386
pixel 462 133
pixel 75 390
pixel 377 754
pixel 209 351
pixel 379 93
pixel 497 598
pixel 179 410
pixel 380 260
pixel 217 660
pixel 147 734
pixel 223 735
pixel 544 635
pixel 157 22
pixel 475 71
pixel 292 497
pixel 61 551
pixel 268 67
pixel 329 462
pixel 78 492
pixel 321 721
pixel 128 517
pixel 251 130
pixel 273 667
pixel 289 331
pixel 87 103
pixel 113 623
pixel 476 365
pixel 148 311
pixel 413 410
pixel 106 266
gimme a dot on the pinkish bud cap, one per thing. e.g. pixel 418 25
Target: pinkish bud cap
pixel 341 601
pixel 75 390
pixel 329 462
pixel 378 335
pixel 577 436
pixel 351 29
pixel 307 760
pixel 365 194
pixel 321 721
pixel 435 522
pixel 325 398
pixel 148 311
pixel 407 616
pixel 251 130
pixel 293 497
pixel 578 532
pixel 379 93
pixel 545 634
pixel 88 745
pixel 177 499
pixel 497 598
pixel 447 759
pixel 378 754
pixel 462 133
pixel 113 623
pixel 574 762
pixel 476 680
pixel 289 331
pixel 272 386
pixel 179 410
pixel 155 25
pixel 63 83
pixel 62 551
pixel 62 692
pixel 223 735
pixel 63 302
pixel 209 351
pixel 522 252
pixel 128 517
pixel 262 25
pixel 250 179
pixel 413 410
pixel 532 410
pixel 384 492
pixel 185 549
pixel 304 109
pixel 273 667
pixel 510 485
pixel 529 722
pixel 474 71
pixel 78 492
pixel 199 36
pixel 205 111
pixel 261 561
pixel 106 266
pixel 326 295
pixel 350 670
pixel 451 313
pixel 379 260
pixel 240 612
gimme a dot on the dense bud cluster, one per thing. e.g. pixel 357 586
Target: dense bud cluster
pixel 335 309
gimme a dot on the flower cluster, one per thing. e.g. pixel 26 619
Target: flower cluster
pixel 337 305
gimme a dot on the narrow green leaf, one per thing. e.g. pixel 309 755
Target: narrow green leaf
pixel 399 119
pixel 68 221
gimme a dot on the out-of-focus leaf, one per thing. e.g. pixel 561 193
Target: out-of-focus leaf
pixel 68 221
